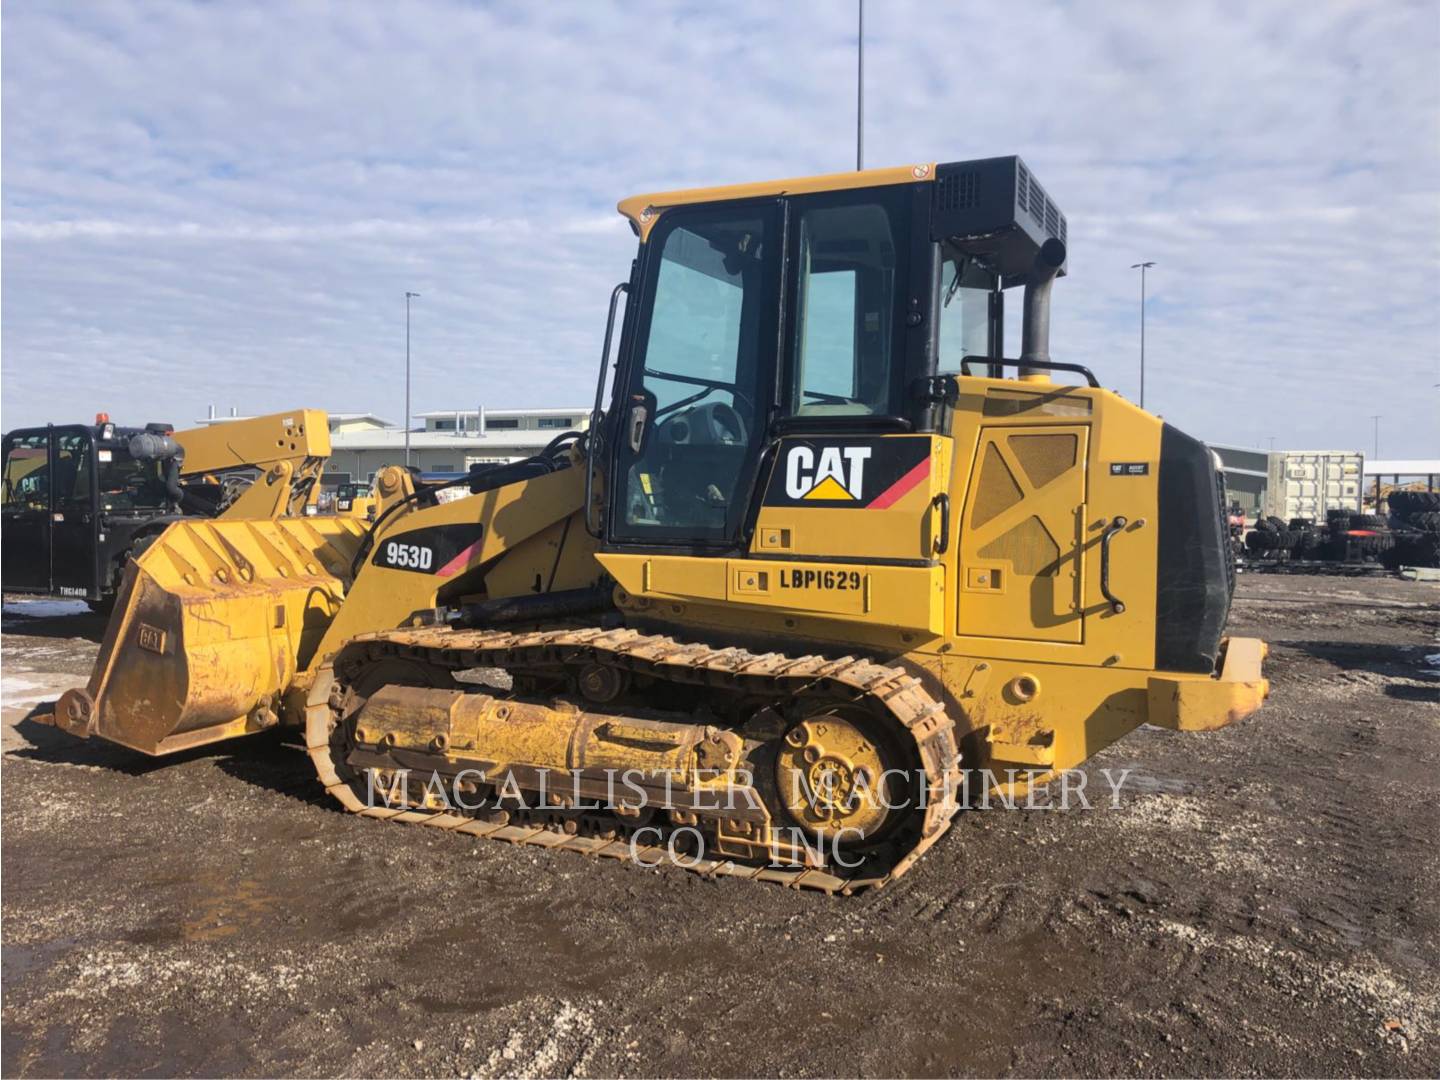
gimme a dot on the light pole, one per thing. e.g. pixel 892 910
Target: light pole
pixel 860 91
pixel 1377 420
pixel 1142 267
pixel 408 297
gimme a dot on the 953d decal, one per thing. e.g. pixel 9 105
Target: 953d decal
pixel 861 473
pixel 441 550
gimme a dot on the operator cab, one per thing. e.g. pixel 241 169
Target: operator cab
pixel 804 306
pixel 74 498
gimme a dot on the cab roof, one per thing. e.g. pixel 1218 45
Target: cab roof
pixel 643 210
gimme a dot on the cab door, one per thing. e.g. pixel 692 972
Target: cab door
pixel 74 555
pixel 698 387
pixel 26 512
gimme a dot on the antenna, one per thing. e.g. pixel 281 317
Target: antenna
pixel 860 90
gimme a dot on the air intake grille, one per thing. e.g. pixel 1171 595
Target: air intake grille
pixel 960 190
pixel 1031 197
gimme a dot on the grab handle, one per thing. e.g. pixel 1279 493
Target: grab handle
pixel 1116 604
pixel 594 444
pixel 942 538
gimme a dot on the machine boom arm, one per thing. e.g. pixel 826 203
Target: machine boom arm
pixel 288 448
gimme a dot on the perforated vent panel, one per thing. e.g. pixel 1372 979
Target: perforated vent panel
pixel 1029 547
pixel 1044 457
pixel 1031 197
pixel 997 490
pixel 958 190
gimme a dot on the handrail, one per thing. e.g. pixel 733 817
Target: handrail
pixel 1048 365
pixel 593 441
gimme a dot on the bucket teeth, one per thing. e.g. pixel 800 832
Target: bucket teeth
pixel 212 624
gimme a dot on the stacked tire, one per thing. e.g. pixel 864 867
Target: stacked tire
pixel 1368 538
pixel 1349 537
pixel 1415 521
pixel 1308 539
pixel 1270 536
pixel 1411 507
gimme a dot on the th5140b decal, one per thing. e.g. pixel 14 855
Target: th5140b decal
pixel 863 473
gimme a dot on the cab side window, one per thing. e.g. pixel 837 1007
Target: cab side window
pixel 965 291
pixel 72 472
pixel 27 474
pixel 845 344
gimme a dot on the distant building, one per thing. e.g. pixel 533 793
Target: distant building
pixel 349 422
pixel 361 444
pixel 496 421
pixel 1399 472
pixel 1250 475
pixel 339 421
pixel 1245 470
pixel 454 439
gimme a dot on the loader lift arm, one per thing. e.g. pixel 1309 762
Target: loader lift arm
pixel 285 453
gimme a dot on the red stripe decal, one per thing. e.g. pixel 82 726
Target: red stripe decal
pixel 892 494
pixel 455 565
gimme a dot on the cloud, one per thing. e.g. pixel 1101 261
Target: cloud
pixel 319 231
pixel 225 203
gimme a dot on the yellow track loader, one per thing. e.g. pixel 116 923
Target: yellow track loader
pixel 820 561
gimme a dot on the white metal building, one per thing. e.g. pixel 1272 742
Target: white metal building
pixel 1245 470
pixel 453 440
pixel 1398 471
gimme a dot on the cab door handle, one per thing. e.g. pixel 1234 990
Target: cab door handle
pixel 638 415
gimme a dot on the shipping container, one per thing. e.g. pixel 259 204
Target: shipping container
pixel 1308 483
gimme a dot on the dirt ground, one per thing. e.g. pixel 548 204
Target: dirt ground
pixel 1263 900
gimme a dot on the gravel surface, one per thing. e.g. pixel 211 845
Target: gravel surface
pixel 1262 900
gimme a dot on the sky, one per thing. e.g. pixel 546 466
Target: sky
pixel 224 203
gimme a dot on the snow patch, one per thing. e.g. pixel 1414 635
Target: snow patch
pixel 45 609
pixel 46 686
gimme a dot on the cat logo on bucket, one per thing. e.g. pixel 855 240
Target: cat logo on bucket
pixel 826 473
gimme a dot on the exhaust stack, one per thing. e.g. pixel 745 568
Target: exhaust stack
pixel 1035 326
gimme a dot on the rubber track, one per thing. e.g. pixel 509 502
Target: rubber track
pixel 772 675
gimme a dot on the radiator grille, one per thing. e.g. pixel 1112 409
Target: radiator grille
pixel 1031 549
pixel 1044 457
pixel 996 491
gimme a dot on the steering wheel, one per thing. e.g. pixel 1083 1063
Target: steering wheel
pixel 728 426
pixel 711 424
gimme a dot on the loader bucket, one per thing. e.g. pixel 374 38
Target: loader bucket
pixel 212 623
